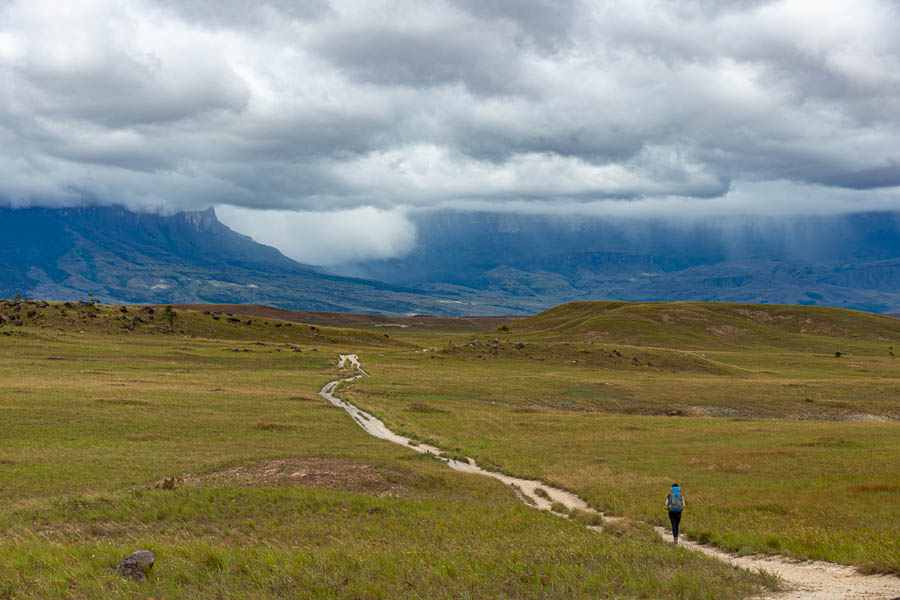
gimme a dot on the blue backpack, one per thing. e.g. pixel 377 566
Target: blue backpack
pixel 676 500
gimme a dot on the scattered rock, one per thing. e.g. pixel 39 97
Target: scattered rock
pixel 136 565
pixel 123 309
pixel 520 345
pixel 674 413
pixel 69 305
pixel 235 349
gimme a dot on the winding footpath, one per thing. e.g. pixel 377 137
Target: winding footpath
pixel 804 580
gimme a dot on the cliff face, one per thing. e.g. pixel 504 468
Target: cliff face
pixel 122 256
pixel 846 260
pixel 465 264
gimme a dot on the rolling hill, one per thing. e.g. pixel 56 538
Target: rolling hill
pixel 711 325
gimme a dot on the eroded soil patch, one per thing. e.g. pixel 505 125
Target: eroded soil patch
pixel 329 473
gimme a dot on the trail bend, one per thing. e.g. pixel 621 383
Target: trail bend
pixel 804 580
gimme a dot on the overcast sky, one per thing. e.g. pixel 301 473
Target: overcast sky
pixel 381 107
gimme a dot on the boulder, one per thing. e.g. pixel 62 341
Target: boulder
pixel 136 565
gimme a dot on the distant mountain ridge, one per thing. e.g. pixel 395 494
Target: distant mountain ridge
pixel 121 256
pixel 850 261
pixel 464 264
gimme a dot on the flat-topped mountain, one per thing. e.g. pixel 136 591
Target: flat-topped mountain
pixel 464 264
pixel 121 256
pixel 851 260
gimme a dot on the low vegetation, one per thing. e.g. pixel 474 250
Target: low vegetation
pixel 782 449
pixel 199 435
pixel 209 446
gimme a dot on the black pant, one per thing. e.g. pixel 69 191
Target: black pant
pixel 675 517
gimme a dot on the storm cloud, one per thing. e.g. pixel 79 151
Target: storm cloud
pixel 532 105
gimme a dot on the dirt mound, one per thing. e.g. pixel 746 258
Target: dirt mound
pixel 328 473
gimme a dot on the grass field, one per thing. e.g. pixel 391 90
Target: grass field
pixel 277 494
pixel 803 458
pixel 779 445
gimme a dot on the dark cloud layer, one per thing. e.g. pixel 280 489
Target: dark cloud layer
pixel 562 106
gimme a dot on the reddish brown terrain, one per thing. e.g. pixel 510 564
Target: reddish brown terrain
pixel 336 319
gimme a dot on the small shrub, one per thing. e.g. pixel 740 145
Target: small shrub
pixel 559 507
pixel 837 353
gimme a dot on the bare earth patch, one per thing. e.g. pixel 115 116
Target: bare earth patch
pixel 329 473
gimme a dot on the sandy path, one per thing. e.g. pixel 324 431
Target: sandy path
pixel 804 580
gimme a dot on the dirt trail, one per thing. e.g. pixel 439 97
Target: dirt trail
pixel 805 580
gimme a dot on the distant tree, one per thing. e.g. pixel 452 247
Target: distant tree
pixel 837 353
pixel 170 314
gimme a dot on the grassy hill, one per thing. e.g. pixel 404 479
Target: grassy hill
pixel 705 325
pixel 136 321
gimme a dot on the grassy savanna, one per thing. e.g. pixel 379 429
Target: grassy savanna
pixel 277 494
pixel 803 460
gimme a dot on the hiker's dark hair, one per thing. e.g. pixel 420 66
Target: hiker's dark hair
pixel 674 485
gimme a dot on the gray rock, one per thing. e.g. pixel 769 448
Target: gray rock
pixel 136 565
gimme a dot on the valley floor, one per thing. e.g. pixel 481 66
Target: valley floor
pixel 275 493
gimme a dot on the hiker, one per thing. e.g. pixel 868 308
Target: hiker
pixel 675 504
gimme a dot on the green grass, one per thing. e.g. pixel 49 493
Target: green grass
pixel 779 446
pixel 91 421
pixel 810 489
pixel 710 325
pixel 801 455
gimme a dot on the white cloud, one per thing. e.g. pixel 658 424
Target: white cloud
pixel 326 238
